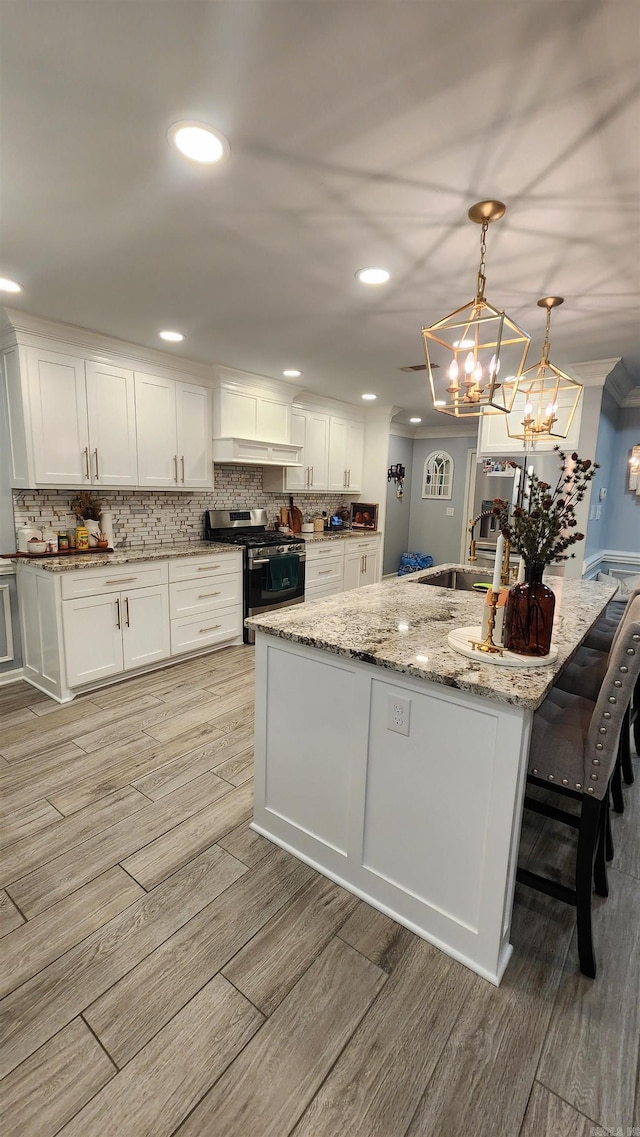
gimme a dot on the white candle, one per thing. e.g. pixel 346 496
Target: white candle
pixel 520 579
pixel 497 568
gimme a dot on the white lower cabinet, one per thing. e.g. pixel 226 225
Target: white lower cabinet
pixel 106 634
pixel 85 627
pixel 361 564
pixel 341 564
pixel 92 638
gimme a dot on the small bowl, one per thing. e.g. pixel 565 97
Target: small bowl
pixel 36 548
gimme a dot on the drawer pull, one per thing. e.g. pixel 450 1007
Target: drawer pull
pixel 126 609
pixel 323 572
pixel 211 629
pixel 96 458
pixel 175 467
pixel 118 613
pixel 182 462
pixel 122 580
pixel 205 595
pixel 207 568
pixel 87 472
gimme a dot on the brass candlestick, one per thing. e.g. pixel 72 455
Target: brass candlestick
pixel 504 569
pixel 487 645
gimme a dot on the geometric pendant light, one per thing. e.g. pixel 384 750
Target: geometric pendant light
pixel 543 400
pixel 477 348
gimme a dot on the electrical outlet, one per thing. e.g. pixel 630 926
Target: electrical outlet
pixel 598 512
pixel 398 712
pixel 450 511
pixel 592 513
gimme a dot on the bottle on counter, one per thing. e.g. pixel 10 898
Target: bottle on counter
pixel 82 539
pixel 50 537
pixel 63 541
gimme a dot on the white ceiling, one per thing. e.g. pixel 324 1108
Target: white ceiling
pixel 360 134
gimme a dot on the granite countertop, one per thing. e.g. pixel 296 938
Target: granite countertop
pixel 403 626
pixel 71 561
pixel 342 535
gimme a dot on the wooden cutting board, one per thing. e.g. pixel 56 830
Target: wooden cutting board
pixel 295 517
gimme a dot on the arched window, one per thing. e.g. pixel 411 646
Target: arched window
pixel 437 479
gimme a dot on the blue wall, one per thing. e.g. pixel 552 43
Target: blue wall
pixel 396 525
pixel 604 455
pixel 430 530
pixel 622 529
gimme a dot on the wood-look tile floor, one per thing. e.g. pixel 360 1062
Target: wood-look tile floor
pixel 164 970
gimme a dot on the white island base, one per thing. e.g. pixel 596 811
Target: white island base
pixel 423 826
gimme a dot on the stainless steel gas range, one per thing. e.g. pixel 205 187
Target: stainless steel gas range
pixel 274 563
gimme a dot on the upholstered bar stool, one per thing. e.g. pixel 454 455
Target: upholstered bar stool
pixel 574 744
pixel 584 676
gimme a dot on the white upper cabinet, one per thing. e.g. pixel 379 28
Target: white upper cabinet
pixel 316 450
pixel 355 455
pixel 332 454
pixel 243 410
pixel 156 430
pixel 111 411
pixel 174 433
pixel 193 423
pixel 59 427
pixel 346 451
pixel 493 437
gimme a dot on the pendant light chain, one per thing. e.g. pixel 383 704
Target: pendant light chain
pixel 546 346
pixel 482 280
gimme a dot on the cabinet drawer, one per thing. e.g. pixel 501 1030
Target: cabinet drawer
pixel 323 549
pixel 189 599
pixel 366 545
pixel 328 569
pixel 316 591
pixel 116 578
pixel 194 632
pixel 209 564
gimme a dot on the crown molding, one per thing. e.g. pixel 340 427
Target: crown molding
pixel 593 372
pixel 402 430
pixel 446 432
pixel 632 399
pixel 17 327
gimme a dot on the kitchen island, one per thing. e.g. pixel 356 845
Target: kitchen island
pixel 396 766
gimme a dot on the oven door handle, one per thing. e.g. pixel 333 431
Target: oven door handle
pixel 265 560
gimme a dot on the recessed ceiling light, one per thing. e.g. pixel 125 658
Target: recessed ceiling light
pixel 439 402
pixel 291 373
pixel 9 285
pixel 415 420
pixel 369 398
pixel 199 142
pixel 372 275
pixel 171 337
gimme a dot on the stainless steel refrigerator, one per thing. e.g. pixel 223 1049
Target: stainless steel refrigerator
pixel 504 477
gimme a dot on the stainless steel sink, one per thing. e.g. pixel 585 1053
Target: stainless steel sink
pixel 457 579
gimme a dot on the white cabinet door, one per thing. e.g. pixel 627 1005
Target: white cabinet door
pixel 58 418
pixel 316 454
pixel 194 433
pixel 145 626
pixel 296 477
pixel 111 408
pixel 355 455
pixel 369 571
pixel 338 429
pixel 156 431
pixel 273 420
pixel 352 570
pixel 92 638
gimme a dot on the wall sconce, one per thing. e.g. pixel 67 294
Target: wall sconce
pixel 396 474
pixel 634 470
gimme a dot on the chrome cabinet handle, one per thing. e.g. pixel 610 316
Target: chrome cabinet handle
pixel 175 467
pixel 126 609
pixel 118 625
pixel 182 460
pixel 205 595
pixel 96 458
pixel 87 472
pixel 210 629
pixel 122 580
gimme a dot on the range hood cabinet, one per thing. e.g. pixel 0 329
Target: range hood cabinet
pixel 254 452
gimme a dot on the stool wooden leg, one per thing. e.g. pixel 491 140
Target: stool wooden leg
pixel 608 835
pixel 616 786
pixel 600 881
pixel 625 749
pixel 587 840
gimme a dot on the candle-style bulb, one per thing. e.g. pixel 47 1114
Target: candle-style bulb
pixel 469 363
pixel 477 372
pixel 453 370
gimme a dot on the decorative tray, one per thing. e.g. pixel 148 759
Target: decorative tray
pixel 459 641
pixel 63 553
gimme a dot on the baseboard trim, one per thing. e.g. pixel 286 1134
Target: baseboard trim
pixel 12 676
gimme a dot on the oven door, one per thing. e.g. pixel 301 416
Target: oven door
pixel 274 582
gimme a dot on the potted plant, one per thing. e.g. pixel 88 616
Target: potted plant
pixel 87 509
pixel 541 531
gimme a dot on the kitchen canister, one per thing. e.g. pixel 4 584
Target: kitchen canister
pixel 24 536
pixel 106 526
pixel 82 539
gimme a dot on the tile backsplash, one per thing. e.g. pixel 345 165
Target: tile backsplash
pixel 152 517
